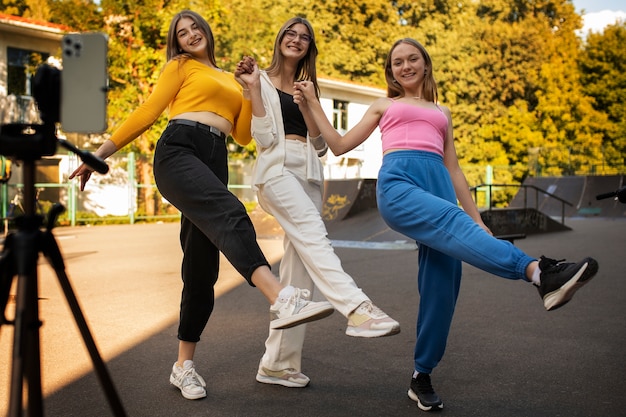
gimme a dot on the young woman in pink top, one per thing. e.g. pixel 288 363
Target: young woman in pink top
pixel 418 187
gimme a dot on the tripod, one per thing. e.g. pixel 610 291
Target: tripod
pixel 18 259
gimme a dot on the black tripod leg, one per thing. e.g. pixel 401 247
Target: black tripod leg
pixel 7 273
pixel 53 254
pixel 26 348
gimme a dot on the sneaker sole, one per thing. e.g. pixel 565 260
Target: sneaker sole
pixel 563 295
pixel 188 396
pixel 353 332
pixel 311 315
pixel 264 379
pixel 421 406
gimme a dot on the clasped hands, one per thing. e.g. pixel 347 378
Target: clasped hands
pixel 247 74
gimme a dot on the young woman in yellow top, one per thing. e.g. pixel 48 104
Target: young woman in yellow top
pixel 190 167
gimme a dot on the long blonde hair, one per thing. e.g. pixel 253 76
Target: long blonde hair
pixel 429 86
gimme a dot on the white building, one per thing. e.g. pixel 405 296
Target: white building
pixel 345 104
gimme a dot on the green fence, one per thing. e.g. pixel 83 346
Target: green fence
pixel 112 198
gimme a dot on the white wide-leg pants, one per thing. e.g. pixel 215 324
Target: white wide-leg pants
pixel 309 260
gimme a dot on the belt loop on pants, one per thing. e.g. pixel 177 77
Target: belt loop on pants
pixel 198 125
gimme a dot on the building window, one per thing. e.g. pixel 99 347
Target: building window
pixel 21 67
pixel 340 116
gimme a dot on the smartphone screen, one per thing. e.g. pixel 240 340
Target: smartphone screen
pixel 84 83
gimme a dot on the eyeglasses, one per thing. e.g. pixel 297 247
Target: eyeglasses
pixel 292 34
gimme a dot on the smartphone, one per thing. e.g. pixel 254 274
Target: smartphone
pixel 84 83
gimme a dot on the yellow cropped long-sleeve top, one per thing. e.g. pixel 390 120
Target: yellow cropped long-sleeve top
pixel 187 85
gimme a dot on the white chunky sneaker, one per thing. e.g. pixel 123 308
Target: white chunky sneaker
pixel 185 378
pixel 298 309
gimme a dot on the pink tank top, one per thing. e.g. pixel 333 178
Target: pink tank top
pixel 404 126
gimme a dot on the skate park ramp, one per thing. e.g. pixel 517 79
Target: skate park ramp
pixel 580 191
pixel 352 218
pixel 345 198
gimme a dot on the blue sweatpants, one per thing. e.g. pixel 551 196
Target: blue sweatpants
pixel 416 198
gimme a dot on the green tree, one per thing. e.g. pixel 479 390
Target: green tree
pixel 80 15
pixel 603 74
pixel 32 9
pixel 249 28
pixel 38 9
pixel 14 7
pixel 513 62
pixel 567 119
pixel 354 38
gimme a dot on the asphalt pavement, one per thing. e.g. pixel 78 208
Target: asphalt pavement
pixel 506 355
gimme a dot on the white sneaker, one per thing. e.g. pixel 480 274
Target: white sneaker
pixel 287 377
pixel 297 310
pixel 191 385
pixel 370 321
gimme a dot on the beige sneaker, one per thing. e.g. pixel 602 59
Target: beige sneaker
pixel 370 321
pixel 287 377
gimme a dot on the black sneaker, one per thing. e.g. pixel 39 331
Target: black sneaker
pixel 422 391
pixel 560 280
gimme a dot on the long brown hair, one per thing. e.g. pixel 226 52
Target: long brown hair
pixel 306 69
pixel 429 86
pixel 173 49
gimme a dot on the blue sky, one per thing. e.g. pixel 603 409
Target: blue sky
pixel 592 6
pixel 600 13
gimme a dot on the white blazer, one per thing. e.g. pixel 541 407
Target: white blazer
pixel 269 133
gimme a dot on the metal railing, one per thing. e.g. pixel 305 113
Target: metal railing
pixel 536 189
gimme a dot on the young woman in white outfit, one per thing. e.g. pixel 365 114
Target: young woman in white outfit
pixel 288 178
